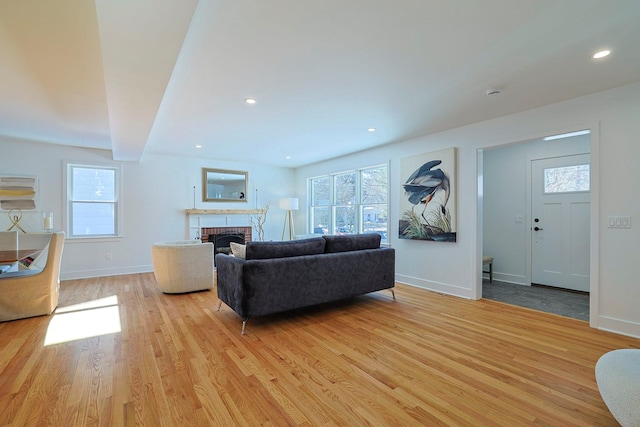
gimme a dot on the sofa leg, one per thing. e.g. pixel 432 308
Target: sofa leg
pixel 219 305
pixel 393 293
pixel 244 323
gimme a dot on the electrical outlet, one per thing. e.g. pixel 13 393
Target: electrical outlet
pixel 107 256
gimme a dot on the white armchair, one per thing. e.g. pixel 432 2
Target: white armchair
pixel 183 266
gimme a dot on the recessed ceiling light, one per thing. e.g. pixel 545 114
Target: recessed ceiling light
pixel 288 157
pixel 371 129
pixel 198 146
pixel 601 54
pixel 250 100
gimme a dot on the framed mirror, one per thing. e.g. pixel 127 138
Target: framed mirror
pixel 221 185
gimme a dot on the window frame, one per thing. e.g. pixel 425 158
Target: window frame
pixel 116 203
pixel 358 205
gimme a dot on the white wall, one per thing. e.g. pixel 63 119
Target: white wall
pixel 156 193
pixel 455 267
pixel 506 189
pixel 158 190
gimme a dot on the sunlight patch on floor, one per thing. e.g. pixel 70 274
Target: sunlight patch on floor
pixel 85 320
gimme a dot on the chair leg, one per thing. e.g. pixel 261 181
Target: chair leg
pixel 490 272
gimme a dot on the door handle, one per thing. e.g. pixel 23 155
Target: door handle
pixel 537 228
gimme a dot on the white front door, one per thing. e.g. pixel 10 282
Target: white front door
pixel 560 205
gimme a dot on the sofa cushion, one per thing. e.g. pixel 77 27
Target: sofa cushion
pixel 266 250
pixel 351 242
pixel 238 250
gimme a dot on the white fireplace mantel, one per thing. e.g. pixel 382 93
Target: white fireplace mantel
pixel 224 211
pixel 199 219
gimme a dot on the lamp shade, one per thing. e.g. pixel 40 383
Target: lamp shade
pixel 289 204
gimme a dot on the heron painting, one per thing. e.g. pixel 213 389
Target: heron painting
pixel 427 204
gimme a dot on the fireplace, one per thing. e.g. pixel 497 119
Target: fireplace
pixel 222 242
pixel 206 231
pixel 221 237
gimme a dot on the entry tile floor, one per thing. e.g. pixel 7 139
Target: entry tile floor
pixel 559 301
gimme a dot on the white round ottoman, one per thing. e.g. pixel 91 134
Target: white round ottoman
pixel 618 378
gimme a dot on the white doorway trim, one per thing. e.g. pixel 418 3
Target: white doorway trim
pixel 595 214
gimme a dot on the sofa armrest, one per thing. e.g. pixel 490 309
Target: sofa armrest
pixel 229 282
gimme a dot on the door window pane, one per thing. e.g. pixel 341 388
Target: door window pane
pixel 567 179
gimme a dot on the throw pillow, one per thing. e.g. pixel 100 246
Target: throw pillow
pixel 238 250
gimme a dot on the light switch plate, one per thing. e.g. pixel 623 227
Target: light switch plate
pixel 619 221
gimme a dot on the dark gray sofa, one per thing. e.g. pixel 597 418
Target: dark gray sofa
pixel 280 276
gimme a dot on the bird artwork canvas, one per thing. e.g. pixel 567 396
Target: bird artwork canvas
pixel 427 203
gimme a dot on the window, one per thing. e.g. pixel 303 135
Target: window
pixel 566 179
pixel 344 203
pixel 320 201
pixel 373 197
pixel 350 202
pixel 92 201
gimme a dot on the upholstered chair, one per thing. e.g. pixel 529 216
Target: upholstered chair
pixel 8 242
pixel 33 291
pixel 183 266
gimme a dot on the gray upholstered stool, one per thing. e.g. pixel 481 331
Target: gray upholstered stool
pixel 488 260
pixel 618 378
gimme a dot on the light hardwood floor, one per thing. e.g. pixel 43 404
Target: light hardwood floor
pixel 424 359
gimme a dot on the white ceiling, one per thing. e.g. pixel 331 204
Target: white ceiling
pixel 162 76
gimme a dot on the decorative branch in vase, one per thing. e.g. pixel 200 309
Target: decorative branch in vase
pixel 257 222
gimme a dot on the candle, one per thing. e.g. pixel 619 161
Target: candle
pixel 48 220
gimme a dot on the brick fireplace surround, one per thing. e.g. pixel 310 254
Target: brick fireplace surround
pixel 205 231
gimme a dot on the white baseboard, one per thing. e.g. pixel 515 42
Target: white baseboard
pixel 619 326
pixel 84 274
pixel 508 278
pixel 444 288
